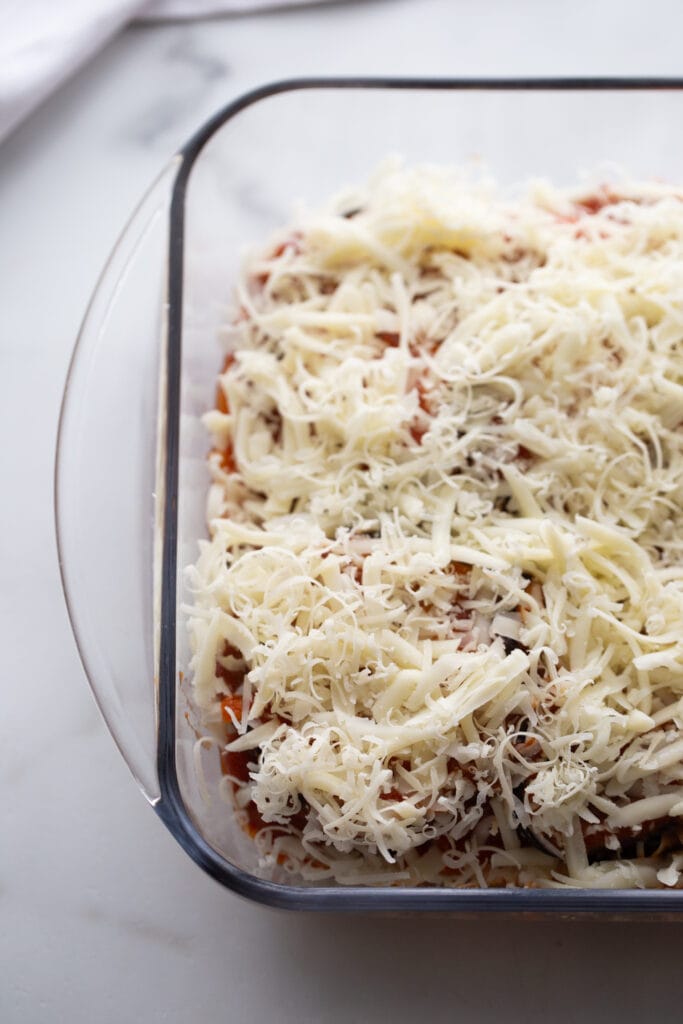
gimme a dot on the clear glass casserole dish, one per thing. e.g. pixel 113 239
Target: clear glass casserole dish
pixel 131 477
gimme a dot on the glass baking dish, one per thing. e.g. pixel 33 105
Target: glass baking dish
pixel 131 474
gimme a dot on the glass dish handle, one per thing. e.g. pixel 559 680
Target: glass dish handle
pixel 105 482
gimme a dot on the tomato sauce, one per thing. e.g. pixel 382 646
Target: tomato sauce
pixel 235 763
pixel 232 677
pixel 390 338
pixel 231 704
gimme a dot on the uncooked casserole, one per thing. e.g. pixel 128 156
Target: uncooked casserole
pixel 438 621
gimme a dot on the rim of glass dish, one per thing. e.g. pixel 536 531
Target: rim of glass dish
pixel 171 807
pixel 59 456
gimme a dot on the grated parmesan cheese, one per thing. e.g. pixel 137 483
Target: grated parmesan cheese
pixel 444 570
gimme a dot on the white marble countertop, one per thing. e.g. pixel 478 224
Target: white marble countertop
pixel 104 918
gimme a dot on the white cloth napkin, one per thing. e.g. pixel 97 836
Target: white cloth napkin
pixel 162 10
pixel 42 42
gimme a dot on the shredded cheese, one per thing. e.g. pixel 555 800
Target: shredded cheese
pixel 444 570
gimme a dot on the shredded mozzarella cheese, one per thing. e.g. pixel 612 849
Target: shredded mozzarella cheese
pixel 444 570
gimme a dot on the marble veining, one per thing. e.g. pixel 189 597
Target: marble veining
pixel 138 928
pixel 192 71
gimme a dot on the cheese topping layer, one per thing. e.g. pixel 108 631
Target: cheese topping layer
pixel 440 613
